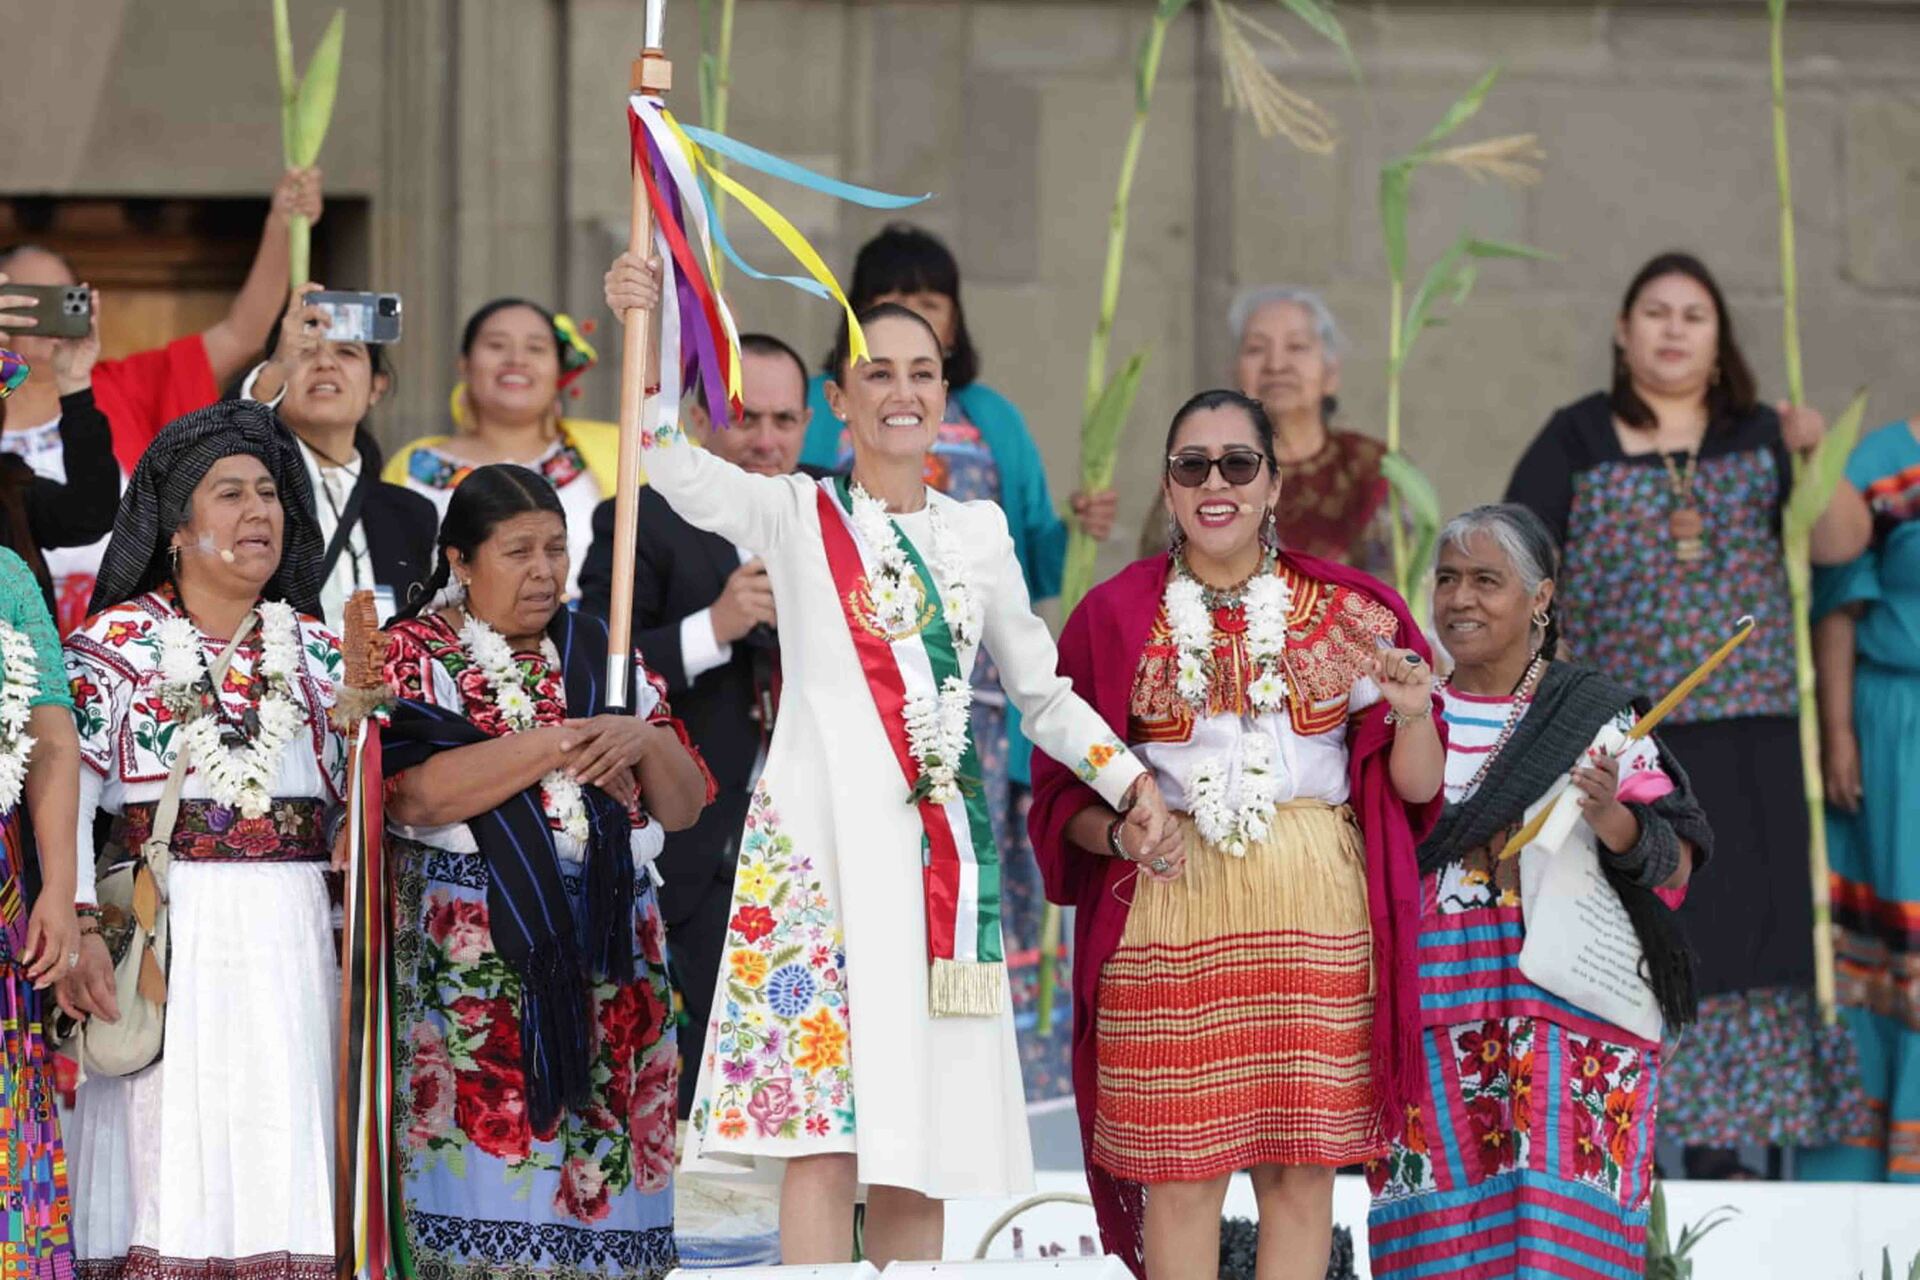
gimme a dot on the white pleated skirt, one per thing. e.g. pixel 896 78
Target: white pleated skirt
pixel 222 1152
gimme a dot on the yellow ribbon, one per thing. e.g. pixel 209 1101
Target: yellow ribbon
pixel 784 231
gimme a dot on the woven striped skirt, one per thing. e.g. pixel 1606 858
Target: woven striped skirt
pixel 1235 1017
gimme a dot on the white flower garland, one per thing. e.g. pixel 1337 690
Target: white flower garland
pixel 937 737
pixel 22 668
pixel 241 780
pixel 560 796
pixel 937 725
pixel 1229 822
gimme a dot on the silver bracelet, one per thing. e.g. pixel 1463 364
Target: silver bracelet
pixel 1395 718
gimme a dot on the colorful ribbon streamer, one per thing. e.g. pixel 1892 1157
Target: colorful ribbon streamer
pixel 675 168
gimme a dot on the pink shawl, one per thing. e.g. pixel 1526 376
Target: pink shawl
pixel 1100 651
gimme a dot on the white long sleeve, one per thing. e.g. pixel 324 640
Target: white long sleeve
pixel 1056 718
pixel 84 888
pixel 711 493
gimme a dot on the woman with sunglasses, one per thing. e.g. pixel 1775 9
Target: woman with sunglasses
pixel 1251 1005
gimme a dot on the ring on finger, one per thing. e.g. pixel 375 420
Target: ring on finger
pixel 1161 865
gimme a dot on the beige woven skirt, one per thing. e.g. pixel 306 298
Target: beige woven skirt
pixel 1236 1016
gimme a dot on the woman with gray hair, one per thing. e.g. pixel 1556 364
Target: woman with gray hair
pixel 1529 1147
pixel 1333 498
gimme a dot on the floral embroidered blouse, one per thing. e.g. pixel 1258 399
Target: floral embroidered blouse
pixel 1332 634
pixel 128 737
pixel 427 662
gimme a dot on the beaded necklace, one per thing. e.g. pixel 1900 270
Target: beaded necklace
pixel 1522 695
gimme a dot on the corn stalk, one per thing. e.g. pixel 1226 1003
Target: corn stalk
pixel 1815 478
pixel 1512 160
pixel 716 87
pixel 1669 1259
pixel 1276 111
pixel 306 109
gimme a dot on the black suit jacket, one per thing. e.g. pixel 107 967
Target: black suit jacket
pixel 680 570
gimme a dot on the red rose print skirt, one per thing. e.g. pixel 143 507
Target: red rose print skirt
pixel 484 1192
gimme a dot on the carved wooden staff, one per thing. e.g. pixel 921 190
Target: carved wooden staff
pixel 363 1087
pixel 639 379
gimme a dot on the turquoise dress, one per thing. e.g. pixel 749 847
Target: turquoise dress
pixel 1875 853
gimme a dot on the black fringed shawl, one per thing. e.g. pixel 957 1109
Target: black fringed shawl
pixel 555 956
pixel 1569 708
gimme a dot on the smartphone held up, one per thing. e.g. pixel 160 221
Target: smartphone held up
pixel 359 317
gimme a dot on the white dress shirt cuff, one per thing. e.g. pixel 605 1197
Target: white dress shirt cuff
pixel 246 388
pixel 700 650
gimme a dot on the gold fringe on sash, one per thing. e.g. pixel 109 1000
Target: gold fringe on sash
pixel 965 989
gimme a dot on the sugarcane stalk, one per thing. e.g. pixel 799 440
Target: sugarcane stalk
pixel 306 110
pixel 1396 295
pixel 1797 539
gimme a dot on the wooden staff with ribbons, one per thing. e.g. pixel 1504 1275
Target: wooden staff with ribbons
pixel 652 75
pixel 366 1246
pixel 1527 834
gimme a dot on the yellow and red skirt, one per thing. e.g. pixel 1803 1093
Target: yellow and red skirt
pixel 1235 1018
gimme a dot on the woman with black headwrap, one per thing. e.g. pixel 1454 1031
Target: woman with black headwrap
pixel 1528 1148
pixel 222 1151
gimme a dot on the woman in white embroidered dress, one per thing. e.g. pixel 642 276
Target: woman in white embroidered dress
pixel 824 1049
pixel 218 1159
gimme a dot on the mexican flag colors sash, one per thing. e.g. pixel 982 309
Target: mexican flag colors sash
pixel 912 664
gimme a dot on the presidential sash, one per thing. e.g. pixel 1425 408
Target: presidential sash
pixel 960 862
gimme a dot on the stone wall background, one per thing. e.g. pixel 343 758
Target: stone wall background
pixel 487 136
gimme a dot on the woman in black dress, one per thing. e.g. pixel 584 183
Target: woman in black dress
pixel 1667 494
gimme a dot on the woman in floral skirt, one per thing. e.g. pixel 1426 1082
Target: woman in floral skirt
pixel 534 1054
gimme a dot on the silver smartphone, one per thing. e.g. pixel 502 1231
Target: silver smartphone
pixel 360 317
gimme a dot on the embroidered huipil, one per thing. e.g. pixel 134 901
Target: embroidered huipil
pixel 219 1156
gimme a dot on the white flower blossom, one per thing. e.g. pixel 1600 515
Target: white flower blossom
pixel 240 779
pixel 560 796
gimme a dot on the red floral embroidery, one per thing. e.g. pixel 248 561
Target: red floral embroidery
pixel 1492 1144
pixel 1594 1061
pixel 1589 1155
pixel 752 922
pixel 1484 1052
pixel 583 1190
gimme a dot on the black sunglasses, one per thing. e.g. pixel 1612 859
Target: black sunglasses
pixel 1237 467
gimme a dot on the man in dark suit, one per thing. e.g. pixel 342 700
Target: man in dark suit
pixel 703 618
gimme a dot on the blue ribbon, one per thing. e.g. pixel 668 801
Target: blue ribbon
pixel 788 171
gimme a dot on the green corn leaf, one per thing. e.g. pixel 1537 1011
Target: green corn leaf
pixel 1099 443
pixel 1422 504
pixel 1657 1224
pixel 1395 179
pixel 1913 1268
pixel 1819 476
pixel 283 61
pixel 1170 9
pixel 1321 18
pixel 1507 249
pixel 1886 1263
pixel 313 108
pixel 1463 110
pixel 1100 436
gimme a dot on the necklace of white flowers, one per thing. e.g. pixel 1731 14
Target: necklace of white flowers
pixel 1232 822
pixel 560 796
pixel 22 672
pixel 937 724
pixel 239 779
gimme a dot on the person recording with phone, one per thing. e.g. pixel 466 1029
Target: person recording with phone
pixel 68 500
pixel 703 616
pixel 377 536
pixel 142 392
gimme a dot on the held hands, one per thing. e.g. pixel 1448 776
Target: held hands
pixel 1801 428
pixel 1405 681
pixel 86 990
pixel 1095 512
pixel 1148 834
pixel 632 285
pixel 600 749
pixel 1598 782
pixel 746 602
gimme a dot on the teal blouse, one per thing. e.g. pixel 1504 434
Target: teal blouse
pixel 1885 578
pixel 23 606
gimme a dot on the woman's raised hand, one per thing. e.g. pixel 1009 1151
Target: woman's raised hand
pixel 1405 681
pixel 632 285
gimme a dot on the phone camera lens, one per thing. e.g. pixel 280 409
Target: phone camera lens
pixel 389 306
